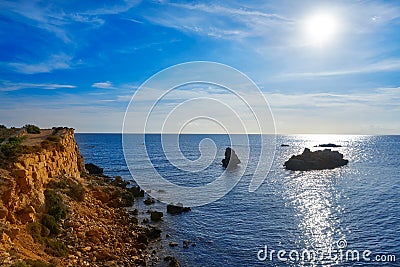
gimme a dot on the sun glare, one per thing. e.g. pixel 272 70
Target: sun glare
pixel 321 28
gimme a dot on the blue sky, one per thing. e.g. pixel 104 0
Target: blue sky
pixel 77 63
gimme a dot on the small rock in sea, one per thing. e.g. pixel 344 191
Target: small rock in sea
pixel 328 145
pixel 173 244
pixel 93 169
pixel 231 159
pixel 136 191
pixel 317 160
pixel 153 232
pixel 173 262
pixel 145 220
pixel 118 181
pixel 186 243
pixel 167 235
pixel 156 216
pixel 135 212
pixel 172 209
pixel 149 201
pixel 284 145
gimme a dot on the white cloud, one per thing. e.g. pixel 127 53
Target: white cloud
pixel 111 10
pixel 55 62
pixel 218 21
pixel 48 17
pixel 103 85
pixel 386 65
pixel 12 86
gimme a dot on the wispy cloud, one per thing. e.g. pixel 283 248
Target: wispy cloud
pixel 48 17
pixel 12 86
pixel 156 45
pixel 115 9
pixel 379 97
pixel 55 62
pixel 103 85
pixel 218 21
pixel 383 66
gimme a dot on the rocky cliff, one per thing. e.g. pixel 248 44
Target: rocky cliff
pixel 53 213
pixel 22 185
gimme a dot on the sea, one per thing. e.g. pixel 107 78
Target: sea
pixel 348 216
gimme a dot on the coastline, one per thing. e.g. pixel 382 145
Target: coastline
pixel 54 213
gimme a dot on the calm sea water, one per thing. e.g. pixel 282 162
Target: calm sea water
pixel 353 208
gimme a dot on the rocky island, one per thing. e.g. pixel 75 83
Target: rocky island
pixel 54 212
pixel 231 159
pixel 317 160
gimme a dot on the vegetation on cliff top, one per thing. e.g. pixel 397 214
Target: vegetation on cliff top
pixel 32 129
pixel 12 142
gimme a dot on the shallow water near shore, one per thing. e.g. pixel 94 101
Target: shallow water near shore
pixel 355 207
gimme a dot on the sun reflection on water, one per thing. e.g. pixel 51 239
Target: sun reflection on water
pixel 314 197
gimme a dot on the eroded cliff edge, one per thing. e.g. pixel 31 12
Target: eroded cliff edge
pixel 53 213
pixel 24 180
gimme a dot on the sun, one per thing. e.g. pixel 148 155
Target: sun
pixel 321 28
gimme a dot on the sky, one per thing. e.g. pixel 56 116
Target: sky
pixel 323 66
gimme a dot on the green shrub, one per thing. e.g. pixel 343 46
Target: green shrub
pixel 76 191
pixel 32 129
pixel 35 229
pixel 55 205
pixel 11 150
pixel 51 223
pixel 2 126
pixel 62 184
pixel 56 248
pixel 20 264
pixel 53 138
pixel 50 145
pixel 31 263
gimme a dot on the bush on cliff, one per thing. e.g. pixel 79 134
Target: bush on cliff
pixel 32 129
pixel 52 145
pixel 55 205
pixel 50 222
pixel 35 229
pixel 56 248
pixel 76 191
pixel 54 138
pixel 11 150
pixel 32 263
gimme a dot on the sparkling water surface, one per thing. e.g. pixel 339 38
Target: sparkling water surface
pixel 356 205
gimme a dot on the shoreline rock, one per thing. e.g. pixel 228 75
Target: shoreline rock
pixel 172 209
pixel 53 212
pixel 93 169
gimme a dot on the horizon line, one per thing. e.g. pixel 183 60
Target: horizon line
pixel 213 133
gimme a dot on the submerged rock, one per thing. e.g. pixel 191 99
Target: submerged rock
pixel 318 160
pixel 156 216
pixel 149 201
pixel 231 159
pixel 172 209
